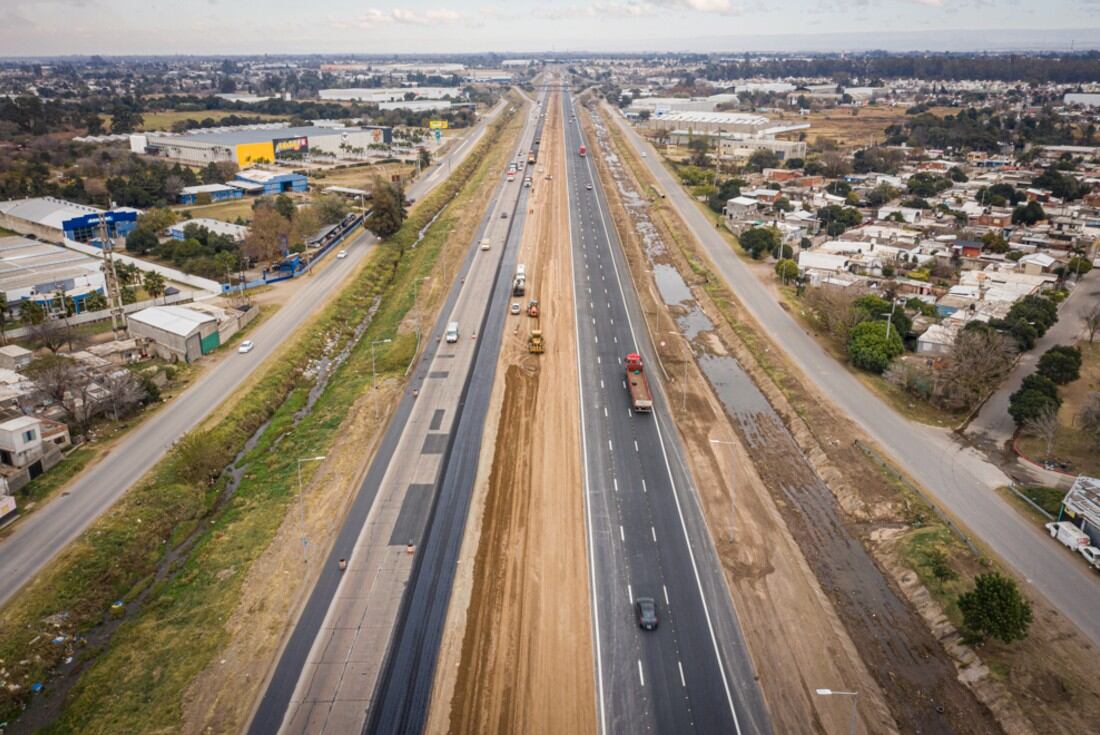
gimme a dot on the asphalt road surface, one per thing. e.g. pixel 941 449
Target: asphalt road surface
pixel 647 535
pixel 961 480
pixel 36 539
pixel 331 667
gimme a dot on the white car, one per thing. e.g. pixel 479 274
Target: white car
pixel 643 154
pixel 246 346
pixel 1092 556
pixel 515 308
pixel 342 254
pixel 588 186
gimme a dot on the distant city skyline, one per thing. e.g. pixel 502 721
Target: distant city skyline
pixel 222 27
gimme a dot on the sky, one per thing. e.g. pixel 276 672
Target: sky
pixel 114 27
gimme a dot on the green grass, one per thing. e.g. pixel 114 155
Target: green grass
pixel 136 684
pixel 225 211
pixel 59 475
pixel 918 550
pixel 1047 498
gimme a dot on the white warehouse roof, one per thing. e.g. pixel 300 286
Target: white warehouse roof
pixel 172 319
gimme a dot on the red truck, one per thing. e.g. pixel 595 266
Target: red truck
pixel 582 150
pixel 638 384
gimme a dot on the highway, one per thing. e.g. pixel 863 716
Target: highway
pixel 960 479
pixel 351 643
pixel 647 534
pixel 35 539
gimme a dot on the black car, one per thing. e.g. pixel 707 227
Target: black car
pixel 646 610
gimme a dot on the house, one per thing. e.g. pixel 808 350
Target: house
pixel 828 262
pixel 119 351
pixel 908 215
pixel 938 339
pixel 738 207
pixel 1035 263
pixel 968 248
pixel 176 332
pixel 20 441
pixel 256 180
pixel 14 357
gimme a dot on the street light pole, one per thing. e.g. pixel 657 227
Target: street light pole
pixel 855 705
pixel 302 506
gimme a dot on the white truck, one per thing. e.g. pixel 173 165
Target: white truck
pixel 1092 556
pixel 1068 535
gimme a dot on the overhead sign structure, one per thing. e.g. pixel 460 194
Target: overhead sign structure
pixel 437 124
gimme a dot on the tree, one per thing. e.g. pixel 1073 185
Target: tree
pixel 140 241
pixel 125 391
pixel 1091 319
pixel 980 358
pixel 284 205
pixel 699 148
pixel 1028 214
pixel 1039 311
pixel 787 270
pixel 1078 265
pixel 727 189
pixel 388 209
pixel 269 235
pixel 1029 403
pixel 876 307
pixel 32 312
pixel 95 301
pixel 154 284
pixel 1044 426
pixel 762 159
pixel 1089 417
pixel 330 208
pixel 759 241
pixel 94 123
pixel 995 608
pixel 834 309
pixel 870 349
pixel 157 219
pixel 1062 364
pixel 125 119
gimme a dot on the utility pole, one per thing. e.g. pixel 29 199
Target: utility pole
pixel 110 275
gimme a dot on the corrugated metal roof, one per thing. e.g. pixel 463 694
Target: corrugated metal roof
pixel 172 319
pixel 46 211
pixel 239 137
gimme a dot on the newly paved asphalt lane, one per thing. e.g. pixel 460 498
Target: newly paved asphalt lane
pixel 647 535
pixel 312 688
pixel 960 479
pixel 36 539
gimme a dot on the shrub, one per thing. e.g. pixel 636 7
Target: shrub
pixel 1061 364
pixel 870 349
pixel 995 608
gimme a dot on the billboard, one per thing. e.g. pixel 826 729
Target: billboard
pixel 285 146
pixel 437 124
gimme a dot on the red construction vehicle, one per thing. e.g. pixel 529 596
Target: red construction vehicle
pixel 533 308
pixel 638 384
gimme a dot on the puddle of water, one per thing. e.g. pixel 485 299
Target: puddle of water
pixel 670 284
pixel 694 322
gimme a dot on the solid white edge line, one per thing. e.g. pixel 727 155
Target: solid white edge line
pixel 641 675
pixel 668 467
pixel 600 698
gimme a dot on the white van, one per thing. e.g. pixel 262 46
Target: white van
pixel 484 243
pixel 452 331
pixel 1068 535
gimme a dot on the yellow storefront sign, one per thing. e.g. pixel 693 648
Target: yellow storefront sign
pixel 437 124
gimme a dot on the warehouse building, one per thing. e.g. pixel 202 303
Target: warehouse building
pixel 218 227
pixel 259 181
pixel 209 193
pixel 35 271
pixel 176 332
pixel 700 122
pixel 54 220
pixel 252 145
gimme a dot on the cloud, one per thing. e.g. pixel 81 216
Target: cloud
pixel 929 3
pixel 374 17
pixel 634 9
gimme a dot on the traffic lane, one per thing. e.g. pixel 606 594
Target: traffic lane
pixel 404 689
pixel 273 707
pixel 744 680
pixel 669 707
pixel 960 480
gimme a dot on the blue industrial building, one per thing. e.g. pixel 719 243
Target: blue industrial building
pixel 209 193
pixel 258 181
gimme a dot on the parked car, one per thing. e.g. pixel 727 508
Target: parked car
pixel 246 346
pixel 1092 556
pixel 515 308
pixel 342 254
pixel 646 610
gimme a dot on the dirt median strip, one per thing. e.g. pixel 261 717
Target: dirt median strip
pixel 526 662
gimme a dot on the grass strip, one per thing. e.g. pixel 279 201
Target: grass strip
pixel 170 629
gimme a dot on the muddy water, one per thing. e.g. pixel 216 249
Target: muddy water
pixel 915 674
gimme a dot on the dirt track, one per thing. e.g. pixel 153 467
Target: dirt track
pixel 526 657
